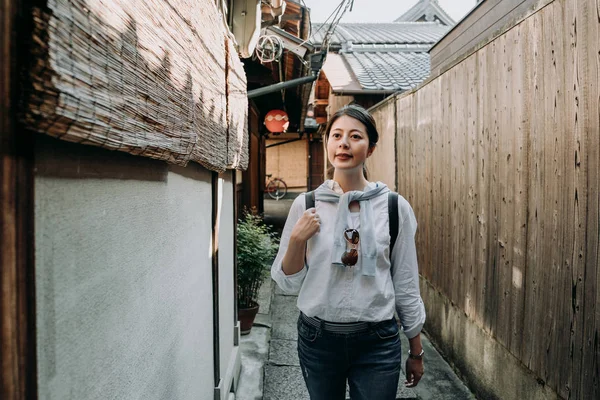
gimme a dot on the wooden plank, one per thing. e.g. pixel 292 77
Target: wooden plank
pixel 429 270
pixel 17 285
pixel 524 109
pixel 565 127
pixel 470 176
pixel 434 269
pixel 546 325
pixel 451 178
pixel 411 154
pixel 588 380
pixel 400 135
pixel 417 166
pixel 505 184
pixel 455 146
pixel 586 115
pixel 482 201
pixel 492 283
pixel 565 197
pixel 535 289
pixel 553 234
pixel 439 185
pixel 452 200
pixel 566 117
pixel 519 110
pixel 426 184
pixel 447 226
pixel 461 211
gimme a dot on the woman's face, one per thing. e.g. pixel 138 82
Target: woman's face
pixel 348 144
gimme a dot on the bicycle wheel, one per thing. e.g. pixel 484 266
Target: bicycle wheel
pixel 277 189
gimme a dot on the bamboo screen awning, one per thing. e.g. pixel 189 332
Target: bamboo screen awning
pixel 144 77
pixel 237 110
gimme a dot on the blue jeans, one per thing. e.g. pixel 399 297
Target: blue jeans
pixel 369 361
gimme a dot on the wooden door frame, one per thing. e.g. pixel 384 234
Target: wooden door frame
pixel 312 161
pixel 17 274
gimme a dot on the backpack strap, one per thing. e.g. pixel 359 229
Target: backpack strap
pixel 393 218
pixel 309 199
pixel 309 202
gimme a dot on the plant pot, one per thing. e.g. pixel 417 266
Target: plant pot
pixel 246 317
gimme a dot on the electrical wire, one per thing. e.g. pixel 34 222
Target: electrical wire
pixel 338 17
pixel 333 23
pixel 323 24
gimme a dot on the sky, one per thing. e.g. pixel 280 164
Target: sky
pixel 381 10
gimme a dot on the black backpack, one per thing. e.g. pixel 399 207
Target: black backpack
pixel 309 201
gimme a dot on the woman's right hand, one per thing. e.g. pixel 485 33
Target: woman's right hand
pixel 307 226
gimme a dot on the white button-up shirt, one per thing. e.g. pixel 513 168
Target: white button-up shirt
pixel 342 294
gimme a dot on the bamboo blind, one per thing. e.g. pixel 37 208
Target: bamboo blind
pixel 143 77
pixel 237 110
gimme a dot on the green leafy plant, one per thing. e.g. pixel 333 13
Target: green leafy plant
pixel 256 247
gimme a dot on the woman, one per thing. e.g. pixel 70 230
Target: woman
pixel 336 255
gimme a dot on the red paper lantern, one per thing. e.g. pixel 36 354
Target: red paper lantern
pixel 277 121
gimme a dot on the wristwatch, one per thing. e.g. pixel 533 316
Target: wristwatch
pixel 416 356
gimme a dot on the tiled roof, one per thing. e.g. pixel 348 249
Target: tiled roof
pixel 382 57
pixel 388 71
pixel 382 33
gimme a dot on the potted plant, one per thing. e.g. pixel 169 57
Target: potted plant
pixel 256 248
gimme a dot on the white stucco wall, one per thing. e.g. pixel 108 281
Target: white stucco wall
pixel 123 276
pixel 230 357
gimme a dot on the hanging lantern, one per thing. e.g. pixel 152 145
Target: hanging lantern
pixel 277 121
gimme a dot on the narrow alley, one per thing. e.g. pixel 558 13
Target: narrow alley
pixel 143 145
pixel 270 368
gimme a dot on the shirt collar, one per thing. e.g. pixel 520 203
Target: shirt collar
pixel 333 185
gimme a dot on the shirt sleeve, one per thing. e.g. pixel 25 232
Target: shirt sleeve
pixel 405 273
pixel 289 284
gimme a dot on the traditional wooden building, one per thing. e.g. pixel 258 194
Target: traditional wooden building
pixel 294 63
pixel 123 125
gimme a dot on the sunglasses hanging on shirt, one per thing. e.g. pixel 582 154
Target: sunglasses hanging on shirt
pixel 350 258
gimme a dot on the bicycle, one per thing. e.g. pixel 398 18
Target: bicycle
pixel 276 188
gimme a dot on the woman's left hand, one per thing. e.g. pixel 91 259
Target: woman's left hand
pixel 414 372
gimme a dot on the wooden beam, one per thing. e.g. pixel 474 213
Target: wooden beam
pixel 484 23
pixel 321 102
pixel 17 298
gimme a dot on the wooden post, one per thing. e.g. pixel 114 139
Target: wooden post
pixel 215 283
pixel 17 298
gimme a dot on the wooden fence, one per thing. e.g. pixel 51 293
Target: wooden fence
pixel 499 157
